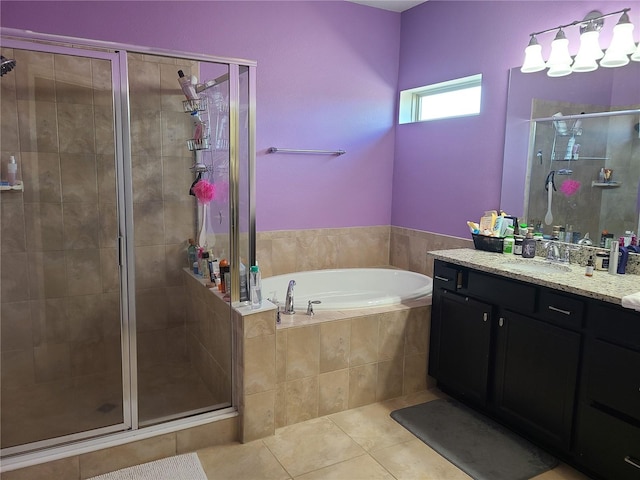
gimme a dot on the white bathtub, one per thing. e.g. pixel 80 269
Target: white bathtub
pixel 348 288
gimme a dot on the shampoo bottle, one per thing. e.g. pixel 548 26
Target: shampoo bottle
pixel 255 284
pixel 188 88
pixel 12 170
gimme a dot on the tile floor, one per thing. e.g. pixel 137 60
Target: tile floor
pixel 361 443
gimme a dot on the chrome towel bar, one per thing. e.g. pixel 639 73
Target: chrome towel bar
pixel 295 150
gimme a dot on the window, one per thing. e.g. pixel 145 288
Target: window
pixel 454 98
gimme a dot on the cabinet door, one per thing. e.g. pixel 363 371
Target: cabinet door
pixel 536 372
pixel 462 339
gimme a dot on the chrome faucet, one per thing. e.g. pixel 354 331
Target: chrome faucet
pixel 553 253
pixel 310 306
pixel 288 303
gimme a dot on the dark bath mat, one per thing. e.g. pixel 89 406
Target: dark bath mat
pixel 474 443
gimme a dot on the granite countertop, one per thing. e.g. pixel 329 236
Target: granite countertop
pixel 567 278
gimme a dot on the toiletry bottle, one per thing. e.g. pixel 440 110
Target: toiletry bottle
pixel 589 270
pixel 187 87
pixel 507 245
pixel 12 170
pixel 224 271
pixel 613 257
pixel 622 263
pixel 192 255
pixel 255 282
pixel 529 245
pixel 205 266
pixel 244 291
pixel 569 152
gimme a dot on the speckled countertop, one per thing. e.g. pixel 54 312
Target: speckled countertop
pixel 567 278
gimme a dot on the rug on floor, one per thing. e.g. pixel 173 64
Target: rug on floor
pixel 474 443
pixel 181 467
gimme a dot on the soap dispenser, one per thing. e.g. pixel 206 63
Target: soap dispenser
pixel 529 245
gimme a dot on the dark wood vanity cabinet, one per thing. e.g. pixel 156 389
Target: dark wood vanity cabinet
pixel 561 369
pixel 608 419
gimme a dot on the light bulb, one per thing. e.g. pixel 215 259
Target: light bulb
pixel 533 61
pixel 560 53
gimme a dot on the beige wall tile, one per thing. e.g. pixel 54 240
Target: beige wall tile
pixel 333 392
pixel 263 323
pixel 83 272
pixel 301 398
pixel 335 339
pixel 281 405
pixel 44 227
pixel 415 373
pixel 79 224
pixel 38 127
pixel 14 280
pixel 364 340
pixel 417 332
pixel 76 133
pixel 258 416
pixel 66 468
pixel 362 385
pixel 16 330
pixel 148 223
pixel 12 222
pixel 281 356
pixel 390 379
pixel 303 352
pixel 122 456
pixel 260 364
pixel 215 433
pixel 392 326
pixel 47 274
pixel 73 79
pixel 17 369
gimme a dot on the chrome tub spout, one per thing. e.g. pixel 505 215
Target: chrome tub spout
pixel 288 303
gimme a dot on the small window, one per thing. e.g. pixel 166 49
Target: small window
pixel 454 98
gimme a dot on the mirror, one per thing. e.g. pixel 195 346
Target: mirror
pixel 604 141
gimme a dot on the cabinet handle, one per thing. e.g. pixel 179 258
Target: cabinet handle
pixel 632 461
pixel 485 316
pixel 559 310
pixel 442 279
pixel 501 321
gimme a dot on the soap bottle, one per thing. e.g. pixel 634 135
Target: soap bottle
pixel 188 88
pixel 529 245
pixel 255 283
pixel 244 292
pixel 589 270
pixel 192 253
pixel 12 170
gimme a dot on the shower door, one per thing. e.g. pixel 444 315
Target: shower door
pixel 64 347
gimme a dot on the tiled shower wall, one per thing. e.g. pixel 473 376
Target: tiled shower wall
pixel 60 297
pixel 163 210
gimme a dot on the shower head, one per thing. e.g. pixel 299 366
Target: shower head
pixel 6 65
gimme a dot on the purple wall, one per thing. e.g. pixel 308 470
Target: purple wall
pixel 326 79
pixel 328 75
pixel 450 171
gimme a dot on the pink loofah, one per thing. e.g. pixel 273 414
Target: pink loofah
pixel 204 191
pixel 570 187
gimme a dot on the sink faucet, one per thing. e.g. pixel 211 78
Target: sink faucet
pixel 288 303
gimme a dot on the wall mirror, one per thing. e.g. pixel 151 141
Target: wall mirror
pixel 599 135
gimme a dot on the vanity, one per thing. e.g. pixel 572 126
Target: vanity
pixel 543 349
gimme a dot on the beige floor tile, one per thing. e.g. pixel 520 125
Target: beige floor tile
pixel 359 468
pixel 561 472
pixel 414 460
pixel 311 445
pixel 372 427
pixel 246 461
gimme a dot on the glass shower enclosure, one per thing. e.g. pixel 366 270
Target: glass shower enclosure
pixel 98 335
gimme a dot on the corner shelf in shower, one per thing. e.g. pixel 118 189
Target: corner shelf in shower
pixel 195 105
pixel 198 143
pixel 605 184
pixel 18 187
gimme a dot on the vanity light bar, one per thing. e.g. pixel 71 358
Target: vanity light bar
pixel 621 50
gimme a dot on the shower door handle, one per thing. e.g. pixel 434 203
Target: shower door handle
pixel 120 250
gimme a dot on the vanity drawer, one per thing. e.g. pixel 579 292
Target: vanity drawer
pixel 615 324
pixel 446 276
pixel 561 309
pixel 608 445
pixel 504 292
pixel 613 377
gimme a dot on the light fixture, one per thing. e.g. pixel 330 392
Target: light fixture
pixel 621 50
pixel 533 61
pixel 560 61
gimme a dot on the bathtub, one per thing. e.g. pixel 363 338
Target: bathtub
pixel 348 288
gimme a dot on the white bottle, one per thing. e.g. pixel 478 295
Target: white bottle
pixel 188 88
pixel 12 170
pixel 255 282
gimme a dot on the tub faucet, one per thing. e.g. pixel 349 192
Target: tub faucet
pixel 288 303
pixel 310 306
